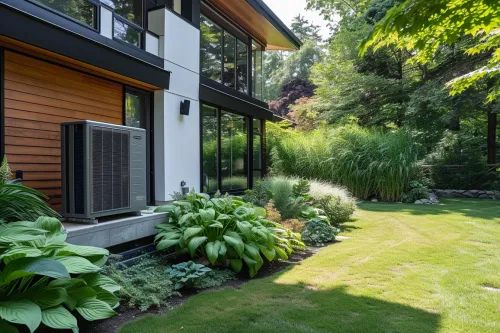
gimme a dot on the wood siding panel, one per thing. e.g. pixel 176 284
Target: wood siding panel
pixel 39 96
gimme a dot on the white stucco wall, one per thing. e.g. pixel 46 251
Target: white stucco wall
pixel 176 137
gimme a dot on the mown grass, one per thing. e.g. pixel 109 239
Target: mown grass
pixel 403 268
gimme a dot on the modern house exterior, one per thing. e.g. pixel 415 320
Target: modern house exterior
pixel 187 71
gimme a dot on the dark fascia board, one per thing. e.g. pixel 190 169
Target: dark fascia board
pixel 31 24
pixel 265 11
pixel 211 95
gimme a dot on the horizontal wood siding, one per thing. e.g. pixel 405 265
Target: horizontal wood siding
pixel 39 96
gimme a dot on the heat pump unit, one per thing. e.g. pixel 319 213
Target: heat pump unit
pixel 103 170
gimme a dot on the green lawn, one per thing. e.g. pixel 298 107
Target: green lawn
pixel 404 268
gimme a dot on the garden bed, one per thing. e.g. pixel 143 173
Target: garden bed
pixel 126 314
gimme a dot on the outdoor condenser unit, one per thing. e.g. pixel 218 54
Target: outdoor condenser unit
pixel 103 170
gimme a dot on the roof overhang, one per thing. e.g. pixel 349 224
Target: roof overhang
pixel 256 18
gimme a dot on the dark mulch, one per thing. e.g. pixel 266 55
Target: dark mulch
pixel 126 314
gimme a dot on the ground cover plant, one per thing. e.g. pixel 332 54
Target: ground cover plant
pixel 226 231
pixel 45 280
pixel 403 268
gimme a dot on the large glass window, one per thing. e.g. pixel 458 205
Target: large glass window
pixel 81 10
pixel 211 49
pixel 242 67
pixel 224 55
pixel 127 33
pixel 128 23
pixel 234 152
pixel 229 66
pixel 257 77
pixel 257 150
pixel 209 135
pixel 226 160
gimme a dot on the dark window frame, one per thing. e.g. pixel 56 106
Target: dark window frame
pixel 250 157
pixel 237 34
pixel 97 14
pixel 149 117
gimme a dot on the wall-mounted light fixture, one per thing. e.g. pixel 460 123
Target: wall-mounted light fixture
pixel 184 188
pixel 185 105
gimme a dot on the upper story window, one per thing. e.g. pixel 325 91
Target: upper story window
pixel 129 22
pixel 224 55
pixel 257 75
pixel 84 11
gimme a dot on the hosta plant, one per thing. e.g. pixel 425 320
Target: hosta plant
pixel 318 231
pixel 45 280
pixel 186 274
pixel 225 230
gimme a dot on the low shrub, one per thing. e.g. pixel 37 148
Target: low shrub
pixel 294 225
pixel 272 213
pixel 317 232
pixel 224 230
pixel 215 278
pixel 289 195
pixel 145 284
pixel 335 209
pixel 45 280
pixel 185 274
pixel 417 190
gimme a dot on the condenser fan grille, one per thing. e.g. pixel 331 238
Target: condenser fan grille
pixel 110 168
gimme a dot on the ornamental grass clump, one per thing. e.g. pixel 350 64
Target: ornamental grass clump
pixel 369 162
pixel 226 231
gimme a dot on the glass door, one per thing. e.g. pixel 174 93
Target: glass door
pixel 138 113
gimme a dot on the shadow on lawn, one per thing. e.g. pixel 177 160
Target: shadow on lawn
pixel 481 208
pixel 272 307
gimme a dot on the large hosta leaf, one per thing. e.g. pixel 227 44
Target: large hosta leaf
pixel 46 297
pixel 5 327
pixel 84 251
pixel 207 215
pixel 108 298
pixel 212 250
pixel 269 254
pixel 93 309
pixel 33 266
pixel 18 252
pixel 21 312
pixel 195 243
pixel 236 265
pixel 59 318
pixel 99 280
pixel 50 224
pixel 235 241
pixel 77 265
pixel 193 231
pixel 19 233
pixel 167 243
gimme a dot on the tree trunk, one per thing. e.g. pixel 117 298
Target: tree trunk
pixel 492 138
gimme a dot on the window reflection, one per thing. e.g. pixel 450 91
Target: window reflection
pixel 130 9
pixel 257 77
pixel 135 111
pixel 234 144
pixel 257 150
pixel 127 33
pixel 211 49
pixel 209 148
pixel 229 52
pixel 242 67
pixel 80 10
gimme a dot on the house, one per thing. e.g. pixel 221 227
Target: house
pixel 134 63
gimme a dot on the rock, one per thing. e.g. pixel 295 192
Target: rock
pixel 434 199
pixel 419 202
pixel 484 196
pixel 374 200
